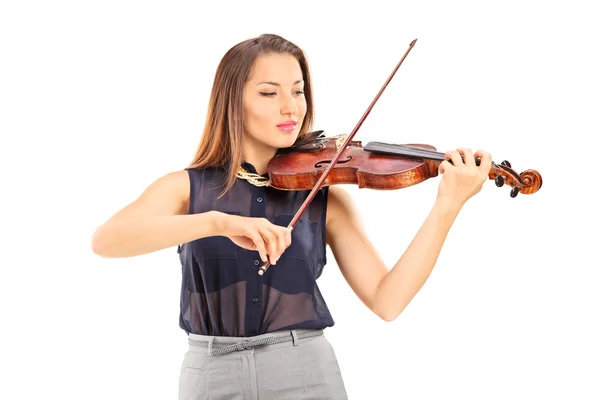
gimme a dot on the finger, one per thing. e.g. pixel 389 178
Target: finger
pixel 271 243
pixel 468 157
pixel 444 166
pixel 277 244
pixel 285 238
pixel 288 236
pixel 485 165
pixel 455 157
pixel 281 241
pixel 260 245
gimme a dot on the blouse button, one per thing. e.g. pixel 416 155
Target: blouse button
pixel 256 262
pixel 259 199
pixel 255 299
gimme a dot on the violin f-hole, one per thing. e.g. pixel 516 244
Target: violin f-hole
pixel 318 164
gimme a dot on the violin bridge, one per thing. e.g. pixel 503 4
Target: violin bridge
pixel 339 142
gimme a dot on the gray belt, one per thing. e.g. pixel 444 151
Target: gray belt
pixel 248 343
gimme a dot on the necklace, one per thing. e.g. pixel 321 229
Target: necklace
pixel 253 179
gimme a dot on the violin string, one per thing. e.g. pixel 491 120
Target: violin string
pixel 406 150
pixel 435 154
pixel 417 152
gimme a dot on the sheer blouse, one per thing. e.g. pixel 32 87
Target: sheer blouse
pixel 222 293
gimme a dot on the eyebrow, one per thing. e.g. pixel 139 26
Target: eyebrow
pixel 277 84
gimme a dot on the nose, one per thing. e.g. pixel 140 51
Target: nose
pixel 288 104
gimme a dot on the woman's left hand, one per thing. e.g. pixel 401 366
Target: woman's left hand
pixel 463 178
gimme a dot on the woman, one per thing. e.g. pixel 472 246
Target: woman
pixel 262 336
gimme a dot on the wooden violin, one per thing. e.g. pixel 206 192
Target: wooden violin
pixel 319 161
pixel 378 165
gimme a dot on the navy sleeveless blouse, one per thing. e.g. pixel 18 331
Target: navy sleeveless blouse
pixel 221 291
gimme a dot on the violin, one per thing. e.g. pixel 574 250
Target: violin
pixel 318 161
pixel 378 165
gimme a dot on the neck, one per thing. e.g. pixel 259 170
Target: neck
pixel 257 154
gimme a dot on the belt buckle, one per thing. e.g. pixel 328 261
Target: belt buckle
pixel 245 345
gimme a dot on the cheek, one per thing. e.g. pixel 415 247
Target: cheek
pixel 302 107
pixel 257 122
pixel 262 114
pixel 255 115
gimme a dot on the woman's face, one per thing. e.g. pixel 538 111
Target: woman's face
pixel 273 101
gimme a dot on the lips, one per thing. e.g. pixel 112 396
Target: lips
pixel 287 124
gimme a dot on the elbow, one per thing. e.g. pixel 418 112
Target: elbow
pixel 384 309
pixel 388 313
pixel 98 243
pixel 388 317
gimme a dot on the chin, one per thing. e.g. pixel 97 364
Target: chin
pixel 285 141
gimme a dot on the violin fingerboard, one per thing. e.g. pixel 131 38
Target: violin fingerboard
pixel 398 149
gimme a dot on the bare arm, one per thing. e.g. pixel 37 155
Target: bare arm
pixel 388 292
pixel 156 220
pixel 401 284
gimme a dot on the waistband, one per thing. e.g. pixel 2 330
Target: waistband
pixel 220 345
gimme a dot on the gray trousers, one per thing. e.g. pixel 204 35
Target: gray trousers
pixel 292 364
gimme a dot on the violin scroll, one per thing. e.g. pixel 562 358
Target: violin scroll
pixel 527 182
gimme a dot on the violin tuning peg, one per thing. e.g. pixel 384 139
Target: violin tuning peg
pixel 499 180
pixel 515 191
pixel 506 163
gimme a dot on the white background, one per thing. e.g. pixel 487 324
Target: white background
pixel 98 99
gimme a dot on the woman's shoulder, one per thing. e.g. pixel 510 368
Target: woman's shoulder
pixel 167 194
pixel 173 184
pixel 180 185
pixel 173 179
pixel 203 171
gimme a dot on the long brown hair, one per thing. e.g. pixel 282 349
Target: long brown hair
pixel 221 142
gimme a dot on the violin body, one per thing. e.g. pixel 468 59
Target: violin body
pixel 302 169
pixel 378 166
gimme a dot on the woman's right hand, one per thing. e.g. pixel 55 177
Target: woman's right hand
pixel 258 234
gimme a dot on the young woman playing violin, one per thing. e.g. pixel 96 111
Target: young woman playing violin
pixel 261 335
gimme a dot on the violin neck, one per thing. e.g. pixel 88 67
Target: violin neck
pixel 403 150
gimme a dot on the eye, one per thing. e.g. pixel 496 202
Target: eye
pixel 299 91
pixel 271 94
